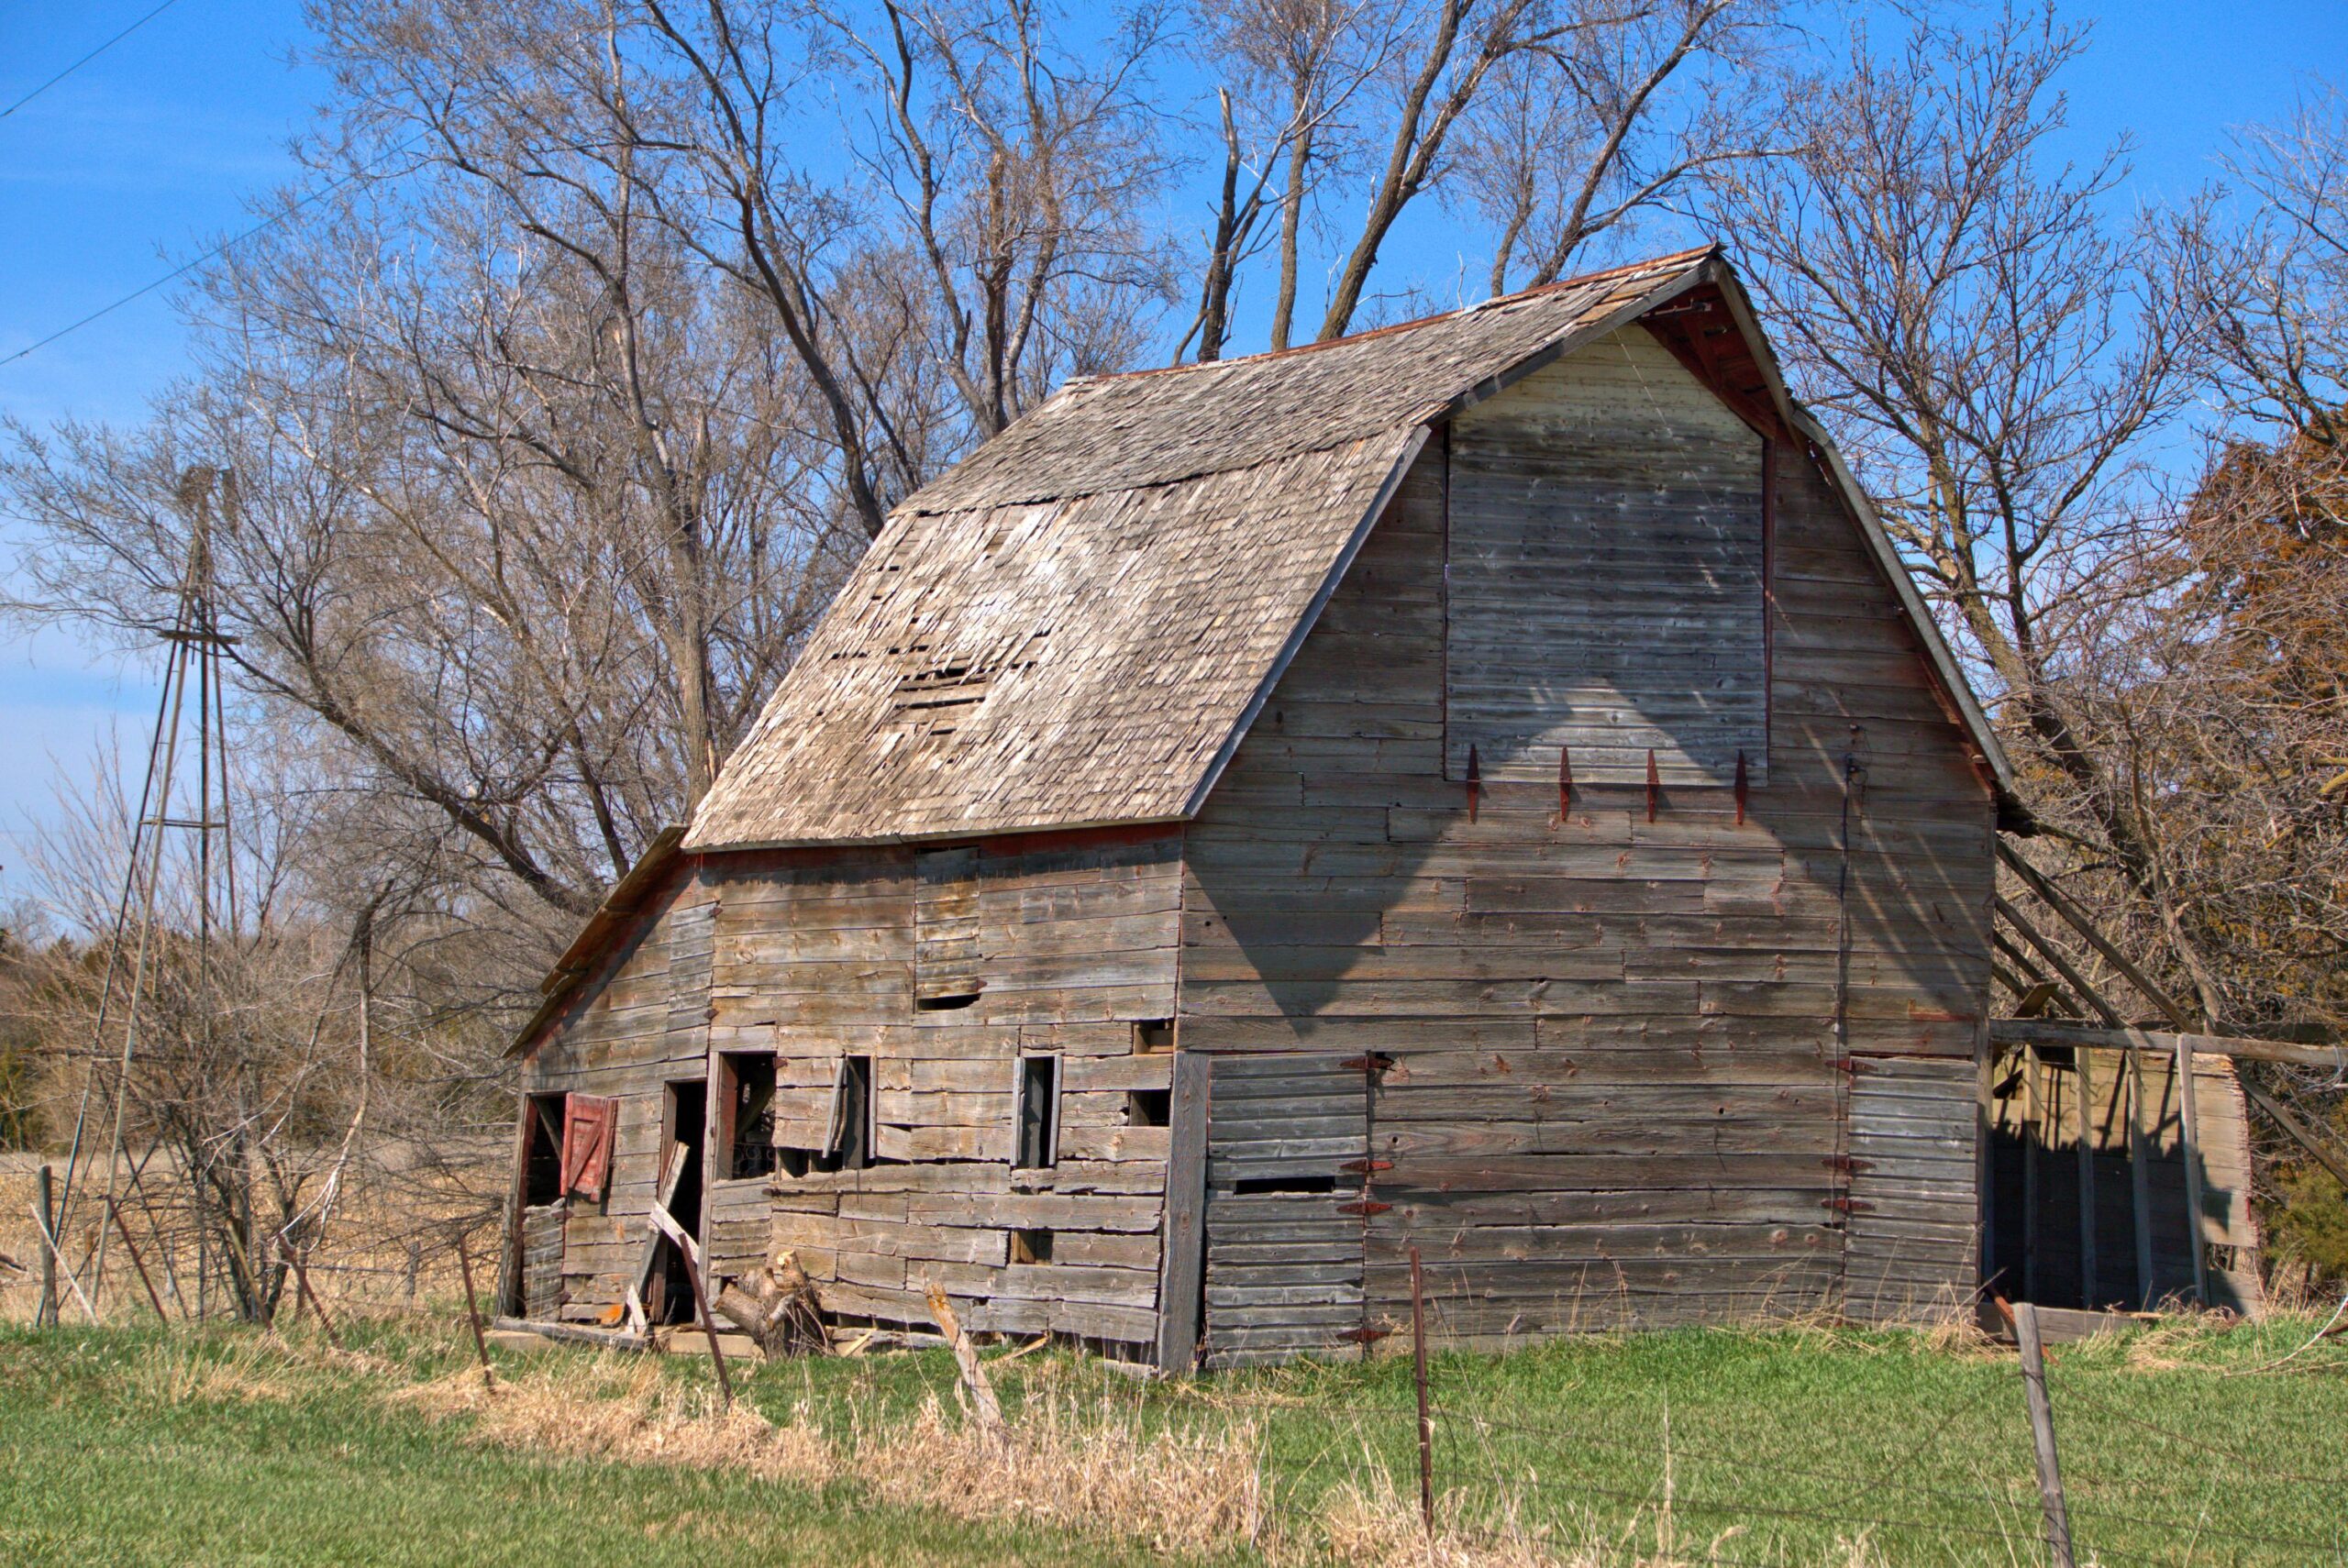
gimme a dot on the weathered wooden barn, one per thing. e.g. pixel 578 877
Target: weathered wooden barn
pixel 1484 785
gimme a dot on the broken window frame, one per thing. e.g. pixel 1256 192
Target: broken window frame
pixel 851 1082
pixel 733 1137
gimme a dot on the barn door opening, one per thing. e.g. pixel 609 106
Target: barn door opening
pixel 2093 1177
pixel 533 1286
pixel 683 1178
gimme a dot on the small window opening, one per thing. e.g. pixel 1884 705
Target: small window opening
pixel 847 1143
pixel 746 1129
pixel 1154 1035
pixel 1149 1107
pixel 953 1003
pixel 1039 1112
pixel 1031 1246
pixel 542 1172
pixel 1247 1184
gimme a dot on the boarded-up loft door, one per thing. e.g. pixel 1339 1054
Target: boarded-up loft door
pixel 1605 591
pixel 1284 1239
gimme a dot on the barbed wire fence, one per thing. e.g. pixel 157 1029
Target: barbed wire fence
pixel 1965 1489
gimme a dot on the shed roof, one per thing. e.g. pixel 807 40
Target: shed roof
pixel 1074 626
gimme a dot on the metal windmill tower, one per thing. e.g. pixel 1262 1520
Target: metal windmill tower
pixel 182 828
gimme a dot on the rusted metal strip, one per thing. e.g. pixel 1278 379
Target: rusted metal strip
pixel 1475 781
pixel 1654 785
pixel 1744 787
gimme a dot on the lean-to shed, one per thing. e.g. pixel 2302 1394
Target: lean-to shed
pixel 1483 785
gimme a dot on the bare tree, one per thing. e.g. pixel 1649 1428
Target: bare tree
pixel 1296 70
pixel 1022 168
pixel 1577 135
pixel 1954 300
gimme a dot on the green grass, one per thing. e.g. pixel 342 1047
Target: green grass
pixel 1781 1447
pixel 97 1469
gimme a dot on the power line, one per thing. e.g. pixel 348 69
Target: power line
pixel 85 60
pixel 217 251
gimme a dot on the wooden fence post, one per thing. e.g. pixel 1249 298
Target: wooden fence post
pixel 2187 1124
pixel 131 1247
pixel 2041 1435
pixel 1419 1376
pixel 2083 1079
pixel 2140 1179
pixel 473 1308
pixel 302 1283
pixel 46 1201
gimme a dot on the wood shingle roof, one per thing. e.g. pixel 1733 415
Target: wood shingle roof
pixel 1075 626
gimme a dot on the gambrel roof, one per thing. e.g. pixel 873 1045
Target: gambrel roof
pixel 1076 625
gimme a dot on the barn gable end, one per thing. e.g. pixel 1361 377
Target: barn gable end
pixel 1605 1066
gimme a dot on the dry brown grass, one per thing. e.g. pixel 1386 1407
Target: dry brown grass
pixel 1084 1464
pixel 1074 1468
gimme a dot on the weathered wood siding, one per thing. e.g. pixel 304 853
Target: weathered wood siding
pixel 1618 1090
pixel 1605 589
pixel 639 1026
pixel 1067 942
pixel 1913 1238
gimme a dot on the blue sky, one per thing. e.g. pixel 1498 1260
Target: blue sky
pixel 144 156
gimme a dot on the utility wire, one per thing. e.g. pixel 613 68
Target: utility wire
pixel 85 60
pixel 218 250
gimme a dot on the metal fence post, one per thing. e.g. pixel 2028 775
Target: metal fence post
pixel 2041 1435
pixel 1419 1376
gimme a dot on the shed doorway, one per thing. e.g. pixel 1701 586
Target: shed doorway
pixel 683 1180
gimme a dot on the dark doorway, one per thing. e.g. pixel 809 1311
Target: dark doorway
pixel 542 1165
pixel 683 1173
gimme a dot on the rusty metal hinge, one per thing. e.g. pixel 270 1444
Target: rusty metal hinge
pixel 1846 1163
pixel 1363 1336
pixel 1373 1062
pixel 1365 1206
pixel 1842 1204
pixel 1364 1168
